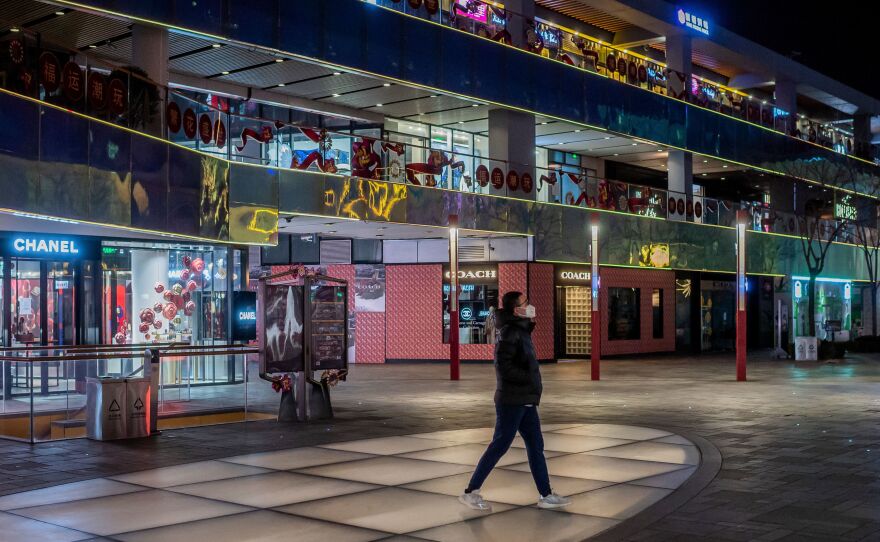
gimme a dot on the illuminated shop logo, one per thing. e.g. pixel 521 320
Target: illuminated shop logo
pixel 466 313
pixel 575 275
pixel 23 245
pixel 247 315
pixel 845 209
pixel 480 274
pixel 693 22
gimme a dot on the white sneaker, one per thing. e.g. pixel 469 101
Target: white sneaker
pixel 553 501
pixel 474 501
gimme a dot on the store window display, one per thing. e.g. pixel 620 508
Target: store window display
pixel 477 298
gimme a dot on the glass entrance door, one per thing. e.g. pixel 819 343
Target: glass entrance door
pixel 61 300
pixel 26 321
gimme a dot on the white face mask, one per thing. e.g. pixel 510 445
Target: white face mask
pixel 526 312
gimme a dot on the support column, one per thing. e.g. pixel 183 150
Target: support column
pixel 149 50
pixel 595 323
pixel 454 355
pixel 521 13
pixel 785 96
pixel 512 149
pixel 741 331
pixel 678 61
pixel 680 166
pixel 862 135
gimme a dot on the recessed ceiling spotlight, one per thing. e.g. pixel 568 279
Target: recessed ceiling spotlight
pixel 607 137
pixel 704 174
pixel 635 144
pixel 59 13
pixel 280 84
pixel 216 45
pixel 225 72
pixel 279 60
pixel 577 131
pixel 705 161
pixel 544 123
pixel 337 73
pixel 725 165
pixel 386 84
pixel 461 122
pixel 90 46
pixel 723 178
pixel 335 95
pixel 330 231
pixel 379 105
pixel 616 154
pixel 475 105
pixel 434 96
pixel 659 150
pixel 14 29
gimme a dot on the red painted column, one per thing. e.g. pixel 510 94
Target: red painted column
pixel 454 350
pixel 741 331
pixel 595 324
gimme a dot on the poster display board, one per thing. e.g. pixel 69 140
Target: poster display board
pixel 282 328
pixel 328 327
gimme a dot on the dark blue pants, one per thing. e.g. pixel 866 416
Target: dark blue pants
pixel 510 419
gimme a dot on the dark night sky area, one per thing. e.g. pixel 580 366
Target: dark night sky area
pixel 839 39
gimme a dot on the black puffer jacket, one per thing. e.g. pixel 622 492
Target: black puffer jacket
pixel 516 365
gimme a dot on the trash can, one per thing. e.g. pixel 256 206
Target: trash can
pixel 105 408
pixel 138 409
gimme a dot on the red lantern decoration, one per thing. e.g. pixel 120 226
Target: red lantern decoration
pixel 159 287
pixel 97 85
pixel 198 265
pixel 512 180
pixel 219 133
pixel 50 72
pixel 72 80
pixel 205 130
pixel 482 174
pixel 118 96
pixel 157 307
pixel 170 311
pixel 119 338
pixel 187 261
pixel 157 324
pixel 189 123
pixel 168 295
pixel 191 286
pixel 527 182
pixel 189 308
pixel 144 327
pixel 184 275
pixel 187 295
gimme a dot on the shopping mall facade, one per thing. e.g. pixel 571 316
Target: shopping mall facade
pixel 147 144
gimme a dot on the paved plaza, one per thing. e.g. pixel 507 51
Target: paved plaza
pixel 790 455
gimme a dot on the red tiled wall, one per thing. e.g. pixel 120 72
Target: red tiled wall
pixel 647 280
pixel 413 312
pixel 541 292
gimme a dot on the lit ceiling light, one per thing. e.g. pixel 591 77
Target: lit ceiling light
pixel 607 137
pixel 14 29
pixel 659 150
pixel 386 84
pixel 544 123
pixel 381 228
pixel 331 231
pixel 635 144
pixel 434 96
pixel 280 84
pixel 725 165
pixel 577 131
pixel 279 60
pixel 475 105
pixel 723 178
pixel 616 154
pixel 225 72
pixel 379 105
pixel 216 45
pixel 59 13
pixel 337 73
pixel 705 161
pixel 335 95
pixel 90 46
pixel 704 174
pixel 461 122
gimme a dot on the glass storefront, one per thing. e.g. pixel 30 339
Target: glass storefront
pixel 833 308
pixel 477 301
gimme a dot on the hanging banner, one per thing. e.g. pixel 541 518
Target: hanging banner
pixel 220 133
pixel 366 159
pixel 205 128
pixel 172 117
pixel 72 81
pixel 189 123
pixel 97 91
pixel 118 96
pixel 50 72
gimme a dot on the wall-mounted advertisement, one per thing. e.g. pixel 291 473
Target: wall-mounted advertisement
pixel 282 345
pixel 369 288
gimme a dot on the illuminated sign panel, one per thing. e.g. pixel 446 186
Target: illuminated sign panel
pixel 474 275
pixel 693 22
pixel 244 311
pixel 55 247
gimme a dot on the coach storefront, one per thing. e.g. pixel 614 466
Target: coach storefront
pixel 573 311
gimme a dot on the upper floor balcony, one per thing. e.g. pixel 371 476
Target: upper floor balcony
pixel 455 54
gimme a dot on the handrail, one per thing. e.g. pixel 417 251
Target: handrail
pixel 205 350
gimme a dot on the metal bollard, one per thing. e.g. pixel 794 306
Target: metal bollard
pixel 151 371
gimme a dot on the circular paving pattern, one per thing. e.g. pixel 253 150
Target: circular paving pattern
pixel 401 488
